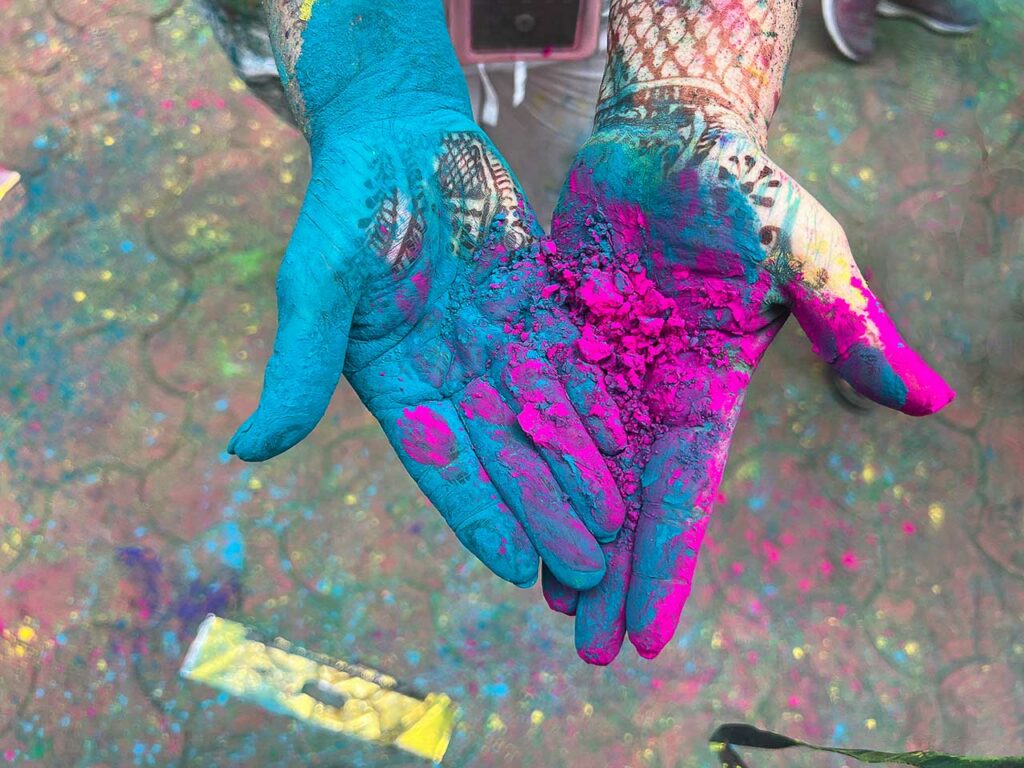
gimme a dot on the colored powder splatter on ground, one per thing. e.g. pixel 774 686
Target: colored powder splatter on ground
pixel 139 254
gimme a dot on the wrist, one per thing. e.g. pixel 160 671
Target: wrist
pixel 676 104
pixel 353 62
pixel 727 59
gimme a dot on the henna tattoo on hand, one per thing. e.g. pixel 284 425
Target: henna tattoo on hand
pixel 728 57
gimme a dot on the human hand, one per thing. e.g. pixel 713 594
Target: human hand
pixel 681 250
pixel 413 268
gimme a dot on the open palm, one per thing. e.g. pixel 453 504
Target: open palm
pixel 681 250
pixel 413 269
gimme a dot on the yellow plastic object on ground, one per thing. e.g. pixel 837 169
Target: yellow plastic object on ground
pixel 8 180
pixel 345 698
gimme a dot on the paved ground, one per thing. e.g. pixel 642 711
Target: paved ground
pixel 865 580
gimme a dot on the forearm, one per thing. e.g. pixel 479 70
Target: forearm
pixel 726 56
pixel 364 60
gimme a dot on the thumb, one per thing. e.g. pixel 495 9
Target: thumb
pixel 314 314
pixel 848 326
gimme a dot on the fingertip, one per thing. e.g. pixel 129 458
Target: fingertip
pixel 598 656
pixel 647 647
pixel 649 642
pixel 928 395
pixel 561 604
pixel 578 578
pixel 254 442
pixel 559 597
pixel 239 433
pixel 931 404
pixel 523 567
pixel 501 544
pixel 526 584
pixel 652 612
pixel 897 378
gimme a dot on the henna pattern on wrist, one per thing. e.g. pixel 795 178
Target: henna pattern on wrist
pixel 726 56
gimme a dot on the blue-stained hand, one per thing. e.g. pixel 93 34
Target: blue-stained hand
pixel 415 268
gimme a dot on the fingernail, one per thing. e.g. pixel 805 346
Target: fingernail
pixel 233 442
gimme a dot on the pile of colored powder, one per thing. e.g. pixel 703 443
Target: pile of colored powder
pixel 628 329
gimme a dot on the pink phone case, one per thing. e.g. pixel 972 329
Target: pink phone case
pixel 460 25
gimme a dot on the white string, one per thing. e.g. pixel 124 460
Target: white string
pixel 519 79
pixel 489 114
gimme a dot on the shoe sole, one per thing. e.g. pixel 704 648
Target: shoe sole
pixel 828 10
pixel 891 10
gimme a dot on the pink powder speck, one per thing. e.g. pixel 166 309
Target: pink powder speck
pixel 427 438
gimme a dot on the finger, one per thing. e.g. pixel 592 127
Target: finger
pixel 559 597
pixel 529 489
pixel 850 329
pixel 436 450
pixel 680 483
pixel 560 437
pixel 601 611
pixel 584 386
pixel 314 312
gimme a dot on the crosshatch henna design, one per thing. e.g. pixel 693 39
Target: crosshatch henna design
pixel 723 54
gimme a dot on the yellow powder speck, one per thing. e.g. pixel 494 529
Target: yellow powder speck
pixel 351 498
pixel 105 275
pixel 108 141
pixel 255 484
pixel 26 634
pixel 911 648
pixel 108 314
pixel 287 177
pixel 716 640
pixel 936 514
pixel 101 665
pixel 865 174
pixel 495 723
pixel 79 296
pixel 798 653
pixel 868 474
pixel 236 85
pixel 306 9
pixel 871 723
pixel 536 717
pixel 588 709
